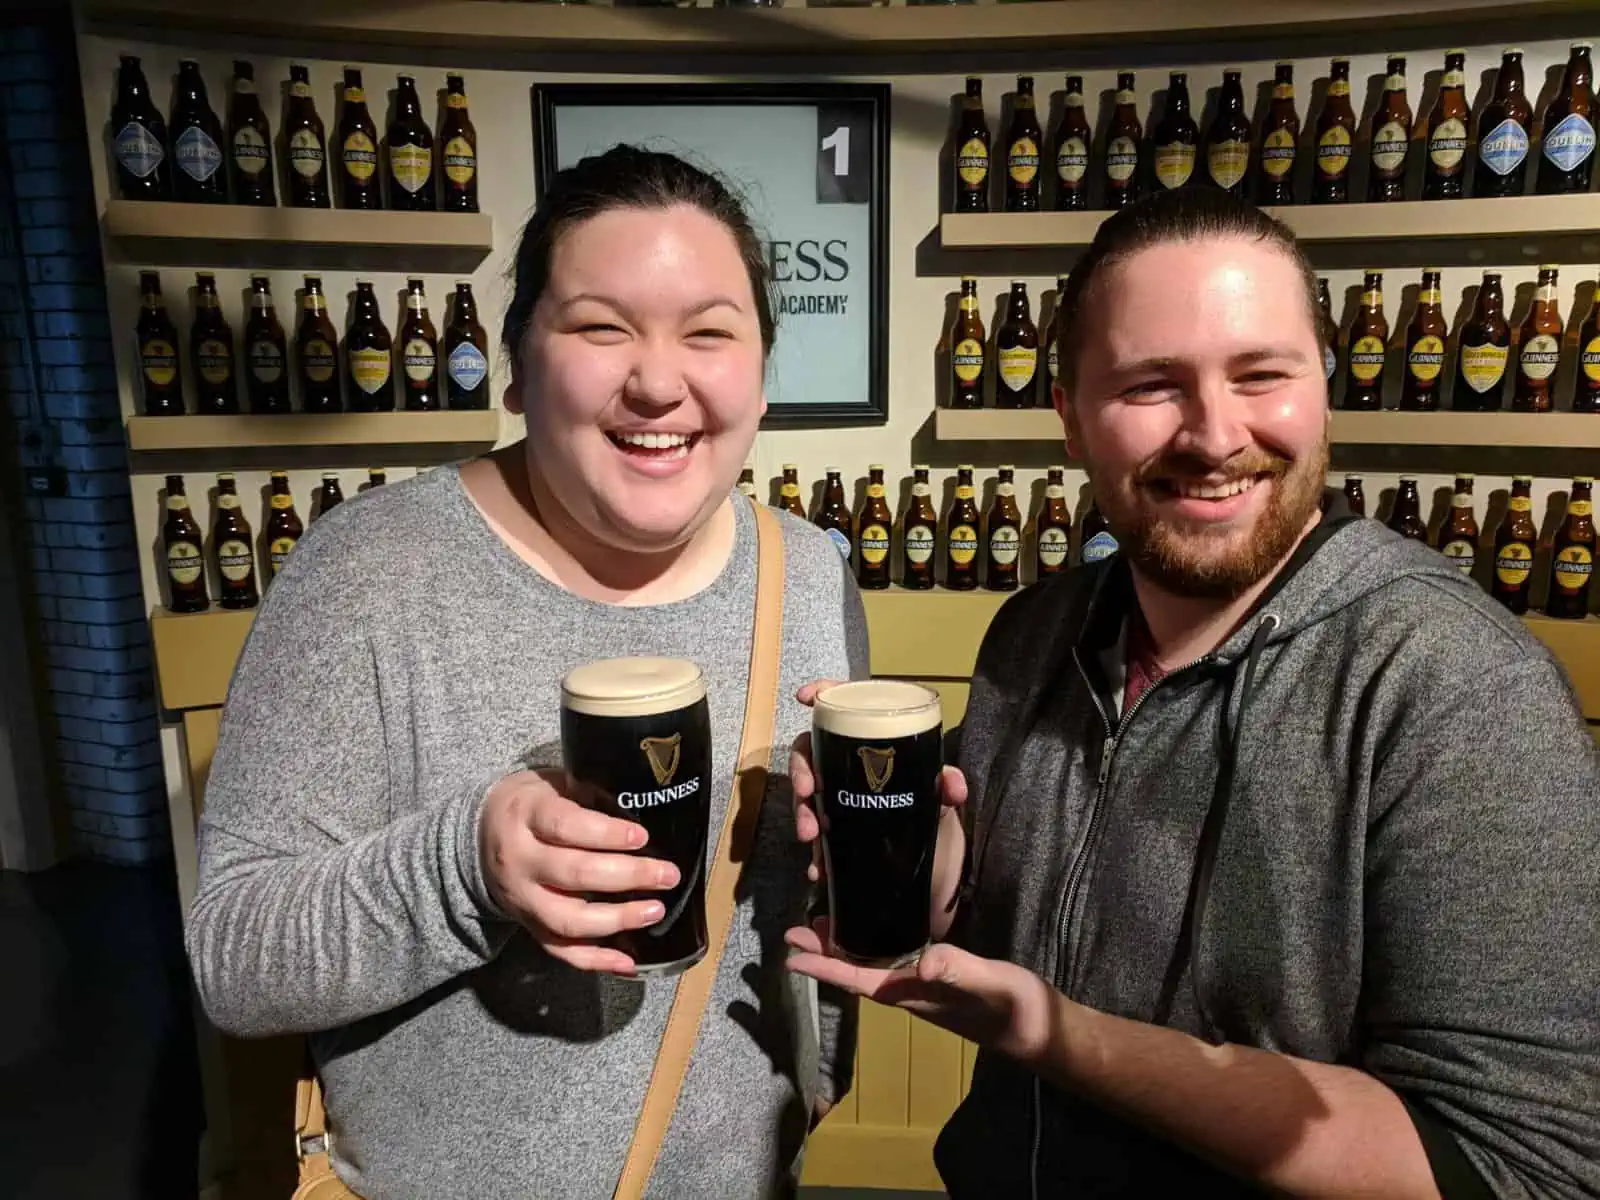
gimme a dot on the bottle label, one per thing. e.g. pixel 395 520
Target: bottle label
pixel 250 154
pixel 1570 143
pixel 227 500
pixel 1277 153
pixel 370 369
pixel 1017 367
pixel 299 90
pixel 1591 360
pixel 969 304
pixel 1581 508
pixel 467 366
pixel 177 503
pixel 306 155
pixel 921 489
pixel 460 161
pixel 417 302
pixel 1483 367
pixel 1072 160
pixel 184 564
pixel 1572 568
pixel 1395 83
pixel 963 545
pixel 1127 96
pixel 278 550
pixel 875 491
pixel 965 491
pixel 215 358
pixel 1366 359
pixel 360 156
pixel 1504 150
pixel 266 362
pixel 1339 87
pixel 1005 489
pixel 1447 145
pixel 197 155
pixel 1283 91
pixel 1005 545
pixel 313 302
pixel 972 163
pixel 1330 362
pixel 1122 159
pixel 1053 547
pixel 234 560
pixel 160 360
pixel 410 165
pixel 1022 161
pixel 790 491
pixel 967 360
pixel 841 542
pixel 1074 100
pixel 1333 152
pixel 1174 164
pixel 1430 298
pixel 1521 504
pixel 1372 298
pixel 318 360
pixel 1513 562
pixel 1461 500
pixel 1389 147
pixel 355 95
pixel 456 100
pixel 1463 554
pixel 747 487
pixel 1055 491
pixel 919 544
pixel 1426 359
pixel 420 362
pixel 282 500
pixel 138 150
pixel 874 544
pixel 1540 356
pixel 1101 545
pixel 1453 79
pixel 1052 358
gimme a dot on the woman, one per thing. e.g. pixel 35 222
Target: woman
pixel 379 866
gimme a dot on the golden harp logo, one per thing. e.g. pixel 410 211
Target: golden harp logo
pixel 878 762
pixel 662 753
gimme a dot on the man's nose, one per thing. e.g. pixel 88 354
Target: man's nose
pixel 1215 423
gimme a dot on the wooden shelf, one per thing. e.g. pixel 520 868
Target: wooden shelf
pixel 164 233
pixel 997 425
pixel 195 653
pixel 460 432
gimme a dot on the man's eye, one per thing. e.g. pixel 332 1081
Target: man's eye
pixel 1149 387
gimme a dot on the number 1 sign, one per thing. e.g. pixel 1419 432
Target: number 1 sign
pixel 811 163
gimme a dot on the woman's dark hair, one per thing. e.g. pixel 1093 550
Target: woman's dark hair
pixel 1166 217
pixel 627 177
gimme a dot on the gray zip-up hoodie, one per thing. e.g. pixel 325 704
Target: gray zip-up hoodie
pixel 1366 830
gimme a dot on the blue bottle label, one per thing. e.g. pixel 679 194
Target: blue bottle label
pixel 841 543
pixel 1504 148
pixel 1569 143
pixel 467 366
pixel 138 150
pixel 1101 545
pixel 197 155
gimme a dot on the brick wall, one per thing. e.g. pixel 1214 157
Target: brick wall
pixel 91 641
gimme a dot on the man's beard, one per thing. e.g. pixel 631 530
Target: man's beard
pixel 1215 562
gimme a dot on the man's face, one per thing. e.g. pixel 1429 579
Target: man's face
pixel 1200 411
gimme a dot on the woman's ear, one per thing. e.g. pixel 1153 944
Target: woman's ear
pixel 511 398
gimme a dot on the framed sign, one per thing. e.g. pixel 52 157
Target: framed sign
pixel 811 162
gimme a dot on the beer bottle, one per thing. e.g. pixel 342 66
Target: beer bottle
pixel 360 185
pixel 1280 141
pixel 1391 137
pixel 747 482
pixel 1449 133
pixel 369 354
pixel 306 146
pixel 410 152
pixel 961 535
pixel 967 349
pixel 1052 348
pixel 459 139
pixel 1572 564
pixel 1514 545
pixel 1122 146
pixel 211 350
pixel 1053 528
pixel 1003 559
pixel 833 518
pixel 1228 139
pixel 316 350
pixel 376 477
pixel 1355 495
pixel 1176 136
pixel 919 533
pixel 466 366
pixel 1016 346
pixel 873 523
pixel 972 152
pixel 419 352
pixel 140 141
pixel 1503 147
pixel 1406 516
pixel 1539 352
pixel 1586 386
pixel 283 526
pixel 1567 154
pixel 1336 131
pixel 266 354
pixel 1458 536
pixel 183 544
pixel 158 351
pixel 234 546
pixel 249 143
pixel 1022 151
pixel 1485 347
pixel 1098 540
pixel 1330 335
pixel 1073 138
pixel 1425 338
pixel 332 494
pixel 1369 334
pixel 789 499
pixel 197 174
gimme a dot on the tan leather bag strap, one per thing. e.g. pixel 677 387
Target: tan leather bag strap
pixel 733 849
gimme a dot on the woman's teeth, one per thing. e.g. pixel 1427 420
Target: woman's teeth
pixel 663 445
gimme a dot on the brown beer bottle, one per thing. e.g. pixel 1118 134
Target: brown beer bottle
pixel 1053 528
pixel 972 152
pixel 458 138
pixel 1072 141
pixel 139 137
pixel 249 142
pixel 1355 494
pixel 1406 516
pixel 1425 338
pixel 1280 141
pixel 967 349
pixel 747 482
pixel 1458 536
pixel 961 535
pixel 1566 154
pixel 1449 133
pixel 1016 346
pixel 234 546
pixel 919 534
pixel 1098 542
pixel 369 354
pixel 196 133
pixel 360 184
pixel 1485 348
pixel 1004 525
pixel 1330 335
pixel 1336 131
pixel 1514 545
pixel 833 518
pixel 159 362
pixel 466 363
pixel 419 352
pixel 1123 137
pixel 1391 137
pixel 410 152
pixel 1586 385
pixel 1052 348
pixel 332 495
pixel 1572 561
pixel 316 351
pixel 1022 151
pixel 1369 335
pixel 873 524
pixel 1176 137
pixel 183 545
pixel 1539 348
pixel 1505 128
pixel 789 499
pixel 1228 139
pixel 376 477
pixel 306 147
pixel 216 385
pixel 283 526
pixel 266 352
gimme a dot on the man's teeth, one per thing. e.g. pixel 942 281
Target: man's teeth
pixel 1209 491
pixel 654 441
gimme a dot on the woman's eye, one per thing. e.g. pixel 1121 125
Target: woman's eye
pixel 598 327
pixel 723 334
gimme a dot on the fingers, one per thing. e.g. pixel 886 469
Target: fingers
pixel 801 777
pixel 558 821
pixel 585 871
pixel 569 918
pixel 952 787
pixel 586 956
pixel 803 939
pixel 808 693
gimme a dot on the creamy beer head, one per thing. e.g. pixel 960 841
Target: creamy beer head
pixel 632 687
pixel 877 709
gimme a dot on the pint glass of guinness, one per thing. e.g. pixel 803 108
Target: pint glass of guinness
pixel 878 751
pixel 636 740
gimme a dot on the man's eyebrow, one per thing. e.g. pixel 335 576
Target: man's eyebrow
pixel 1159 363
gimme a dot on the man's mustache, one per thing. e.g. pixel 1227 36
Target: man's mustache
pixel 1247 464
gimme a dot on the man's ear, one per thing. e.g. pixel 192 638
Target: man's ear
pixel 1063 406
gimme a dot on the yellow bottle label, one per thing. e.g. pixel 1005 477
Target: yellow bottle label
pixel 282 500
pixel 1541 354
pixel 1513 563
pixel 1373 298
pixel 460 160
pixel 967 360
pixel 1339 87
pixel 1333 152
pixel 455 100
pixel 1426 359
pixel 234 560
pixel 1053 547
pixel 1174 164
pixel 1122 159
pixel 1483 367
pixel 184 563
pixel 278 550
pixel 160 360
pixel 972 163
pixel 1022 160
pixel 919 544
pixel 969 304
pixel 300 91
pixel 1005 545
pixel 1283 91
pixel 318 360
pixel 790 490
pixel 216 360
pixel 411 165
pixel 370 369
pixel 875 491
pixel 1430 297
pixel 1228 162
pixel 1573 567
pixel 874 544
pixel 360 157
pixel 1591 360
pixel 964 491
pixel 1581 508
pixel 1277 153
pixel 355 95
pixel 1521 504
pixel 963 544
pixel 1017 366
pixel 1366 359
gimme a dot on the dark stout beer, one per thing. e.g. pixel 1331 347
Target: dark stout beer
pixel 873 522
pixel 1514 545
pixel 1072 142
pixel 1176 137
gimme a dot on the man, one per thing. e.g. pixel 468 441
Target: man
pixel 1282 855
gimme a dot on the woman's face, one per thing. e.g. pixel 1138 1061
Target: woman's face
pixel 640 378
